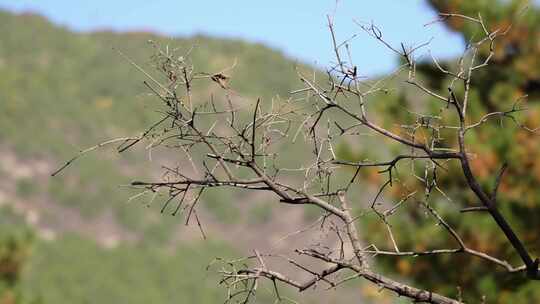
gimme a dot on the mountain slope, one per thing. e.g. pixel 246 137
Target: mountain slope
pixel 62 91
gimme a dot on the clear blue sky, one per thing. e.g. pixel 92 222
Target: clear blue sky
pixel 297 27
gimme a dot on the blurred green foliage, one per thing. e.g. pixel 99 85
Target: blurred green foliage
pixel 26 187
pixel 74 90
pixel 16 245
pixel 61 92
pixel 513 73
pixel 75 270
pixel 261 213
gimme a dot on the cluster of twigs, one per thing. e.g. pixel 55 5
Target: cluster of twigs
pixel 222 146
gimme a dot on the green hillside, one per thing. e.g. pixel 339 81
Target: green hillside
pixel 56 80
pixel 62 91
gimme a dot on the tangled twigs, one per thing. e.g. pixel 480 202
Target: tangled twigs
pixel 237 143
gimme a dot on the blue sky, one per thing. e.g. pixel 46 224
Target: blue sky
pixel 298 28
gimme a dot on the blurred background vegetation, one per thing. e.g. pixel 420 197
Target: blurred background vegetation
pixel 76 239
pixel 514 73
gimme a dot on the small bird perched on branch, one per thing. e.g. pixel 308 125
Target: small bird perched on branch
pixel 221 79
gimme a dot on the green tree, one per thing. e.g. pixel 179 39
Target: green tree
pixel 510 81
pixel 15 248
